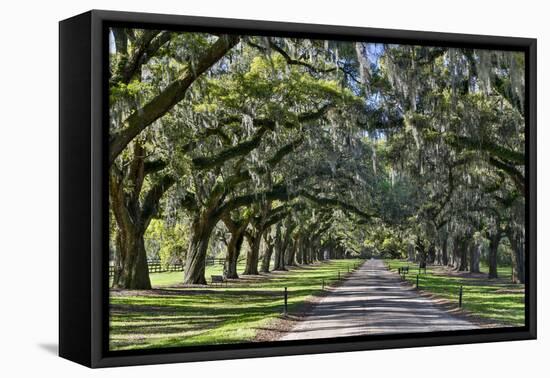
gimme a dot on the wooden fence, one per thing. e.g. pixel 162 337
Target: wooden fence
pixel 156 267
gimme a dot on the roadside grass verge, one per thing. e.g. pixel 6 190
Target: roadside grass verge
pixel 497 299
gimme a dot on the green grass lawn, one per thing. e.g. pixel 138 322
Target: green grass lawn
pixel 174 278
pixel 498 299
pixel 504 272
pixel 176 316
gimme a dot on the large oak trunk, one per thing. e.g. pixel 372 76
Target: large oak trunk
pixel 494 241
pixel 310 248
pixel 460 253
pixel 195 263
pixel 279 258
pixel 475 253
pixel 266 259
pixel 300 250
pixel 132 271
pixel 233 252
pixel 518 259
pixel 320 253
pixel 290 254
pixel 430 258
pixel 444 252
pixel 421 253
pixel 252 258
pixel 132 217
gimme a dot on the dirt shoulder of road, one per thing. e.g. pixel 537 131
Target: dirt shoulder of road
pixel 280 326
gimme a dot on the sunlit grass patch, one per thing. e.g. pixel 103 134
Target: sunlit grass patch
pixel 498 300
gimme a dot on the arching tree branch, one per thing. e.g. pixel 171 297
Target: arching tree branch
pixel 169 97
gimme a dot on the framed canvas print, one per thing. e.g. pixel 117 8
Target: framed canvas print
pixel 233 188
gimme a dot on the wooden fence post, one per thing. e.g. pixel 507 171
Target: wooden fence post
pixel 286 301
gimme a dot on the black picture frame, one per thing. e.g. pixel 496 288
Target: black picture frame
pixel 83 205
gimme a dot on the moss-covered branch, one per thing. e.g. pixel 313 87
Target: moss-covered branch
pixel 324 201
pixel 146 47
pixel 500 152
pixel 170 96
pixel 264 125
pixel 243 148
pixel 515 174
